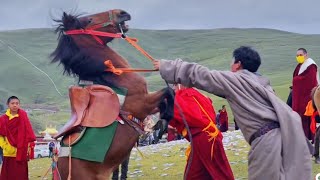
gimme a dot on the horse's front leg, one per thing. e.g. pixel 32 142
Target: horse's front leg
pixel 163 102
pixel 142 106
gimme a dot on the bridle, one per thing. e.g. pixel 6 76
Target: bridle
pixel 96 34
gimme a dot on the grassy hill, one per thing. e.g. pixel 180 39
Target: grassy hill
pixel 212 48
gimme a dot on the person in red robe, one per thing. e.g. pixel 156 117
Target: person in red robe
pixel 15 135
pixel 224 119
pixel 208 160
pixel 305 77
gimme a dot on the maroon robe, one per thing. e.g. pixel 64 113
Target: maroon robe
pixel 302 85
pixel 19 134
pixel 224 121
pixel 203 165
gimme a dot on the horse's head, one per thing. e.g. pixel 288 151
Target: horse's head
pixel 84 38
pixel 112 21
pixel 83 51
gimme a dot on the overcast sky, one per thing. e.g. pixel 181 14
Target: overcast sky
pixel 302 16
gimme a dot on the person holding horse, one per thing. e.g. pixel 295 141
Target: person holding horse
pixel 278 147
pixel 209 160
pixel 15 135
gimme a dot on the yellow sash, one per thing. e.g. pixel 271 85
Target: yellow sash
pixel 212 135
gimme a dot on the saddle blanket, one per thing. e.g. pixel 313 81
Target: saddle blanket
pixel 94 144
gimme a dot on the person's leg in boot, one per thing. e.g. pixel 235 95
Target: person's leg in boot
pixel 124 168
pixel 115 174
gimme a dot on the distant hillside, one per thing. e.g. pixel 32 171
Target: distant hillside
pixel 212 48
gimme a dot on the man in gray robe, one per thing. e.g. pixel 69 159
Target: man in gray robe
pixel 278 147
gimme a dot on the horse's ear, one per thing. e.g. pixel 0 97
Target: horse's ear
pixel 70 22
pixel 65 19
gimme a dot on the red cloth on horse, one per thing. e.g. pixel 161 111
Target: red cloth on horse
pixel 302 85
pixel 202 165
pixel 224 126
pixel 19 133
pixel 14 170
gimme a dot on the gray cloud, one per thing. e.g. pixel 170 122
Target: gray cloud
pixel 294 15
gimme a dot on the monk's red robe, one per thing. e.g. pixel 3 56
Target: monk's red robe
pixel 203 165
pixel 302 85
pixel 19 133
pixel 224 126
pixel 31 150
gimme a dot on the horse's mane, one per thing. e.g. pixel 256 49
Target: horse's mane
pixel 67 51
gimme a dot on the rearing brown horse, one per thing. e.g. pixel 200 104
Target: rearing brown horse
pixel 83 55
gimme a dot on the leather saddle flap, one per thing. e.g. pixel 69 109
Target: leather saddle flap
pixel 103 107
pixel 79 100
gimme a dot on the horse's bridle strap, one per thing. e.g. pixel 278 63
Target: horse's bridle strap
pixel 92 32
pixel 131 41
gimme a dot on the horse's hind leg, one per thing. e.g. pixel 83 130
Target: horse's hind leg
pixel 122 144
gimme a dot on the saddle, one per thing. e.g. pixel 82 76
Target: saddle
pixel 91 106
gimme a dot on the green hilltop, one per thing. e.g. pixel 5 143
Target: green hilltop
pixel 212 48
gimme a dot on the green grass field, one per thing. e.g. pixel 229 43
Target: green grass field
pixel 168 160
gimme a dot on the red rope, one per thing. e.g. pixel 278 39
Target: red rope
pixel 93 32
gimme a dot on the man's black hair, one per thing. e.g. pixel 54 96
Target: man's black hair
pixel 249 58
pixel 11 98
pixel 303 50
